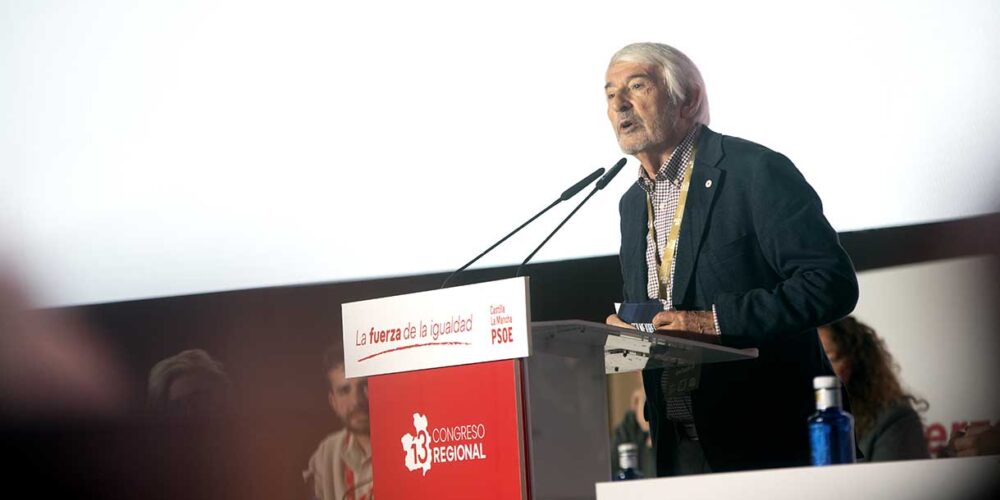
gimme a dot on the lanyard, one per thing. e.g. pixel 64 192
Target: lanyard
pixel 666 261
pixel 349 487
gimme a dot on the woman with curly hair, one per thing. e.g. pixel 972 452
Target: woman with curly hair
pixel 885 417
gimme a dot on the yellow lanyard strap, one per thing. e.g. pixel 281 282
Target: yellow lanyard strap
pixel 666 259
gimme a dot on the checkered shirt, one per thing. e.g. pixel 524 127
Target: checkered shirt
pixel 665 193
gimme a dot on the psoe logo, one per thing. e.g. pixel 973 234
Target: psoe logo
pixel 418 447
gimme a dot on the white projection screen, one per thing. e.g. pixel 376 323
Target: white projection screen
pixel 162 148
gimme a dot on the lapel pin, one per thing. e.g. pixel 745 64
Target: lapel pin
pixel 708 183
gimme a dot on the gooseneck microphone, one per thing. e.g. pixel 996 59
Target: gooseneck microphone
pixel 597 187
pixel 567 194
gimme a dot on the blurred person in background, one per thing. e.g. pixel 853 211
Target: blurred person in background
pixel 53 366
pixel 191 383
pixel 886 422
pixel 634 428
pixel 341 467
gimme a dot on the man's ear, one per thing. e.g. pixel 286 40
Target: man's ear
pixel 329 399
pixel 688 109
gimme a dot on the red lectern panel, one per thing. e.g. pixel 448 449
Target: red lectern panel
pixel 448 433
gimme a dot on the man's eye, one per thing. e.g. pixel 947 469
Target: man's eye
pixel 611 96
pixel 637 86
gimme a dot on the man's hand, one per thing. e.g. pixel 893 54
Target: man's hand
pixel 614 320
pixel 689 321
pixel 978 440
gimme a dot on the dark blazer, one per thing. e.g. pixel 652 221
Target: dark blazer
pixel 754 243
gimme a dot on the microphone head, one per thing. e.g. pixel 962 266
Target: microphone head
pixel 576 188
pixel 611 174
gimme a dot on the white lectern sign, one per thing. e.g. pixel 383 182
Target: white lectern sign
pixel 453 326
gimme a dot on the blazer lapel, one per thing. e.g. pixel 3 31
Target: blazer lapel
pixel 633 250
pixel 701 194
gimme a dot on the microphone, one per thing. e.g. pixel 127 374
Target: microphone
pixel 576 188
pixel 611 174
pixel 597 187
pixel 567 194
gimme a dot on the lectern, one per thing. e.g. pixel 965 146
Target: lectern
pixel 470 399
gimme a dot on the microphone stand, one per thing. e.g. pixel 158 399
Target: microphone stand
pixel 549 237
pixel 467 264
pixel 567 194
pixel 597 187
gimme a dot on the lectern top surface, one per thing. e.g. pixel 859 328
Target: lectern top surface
pixel 628 350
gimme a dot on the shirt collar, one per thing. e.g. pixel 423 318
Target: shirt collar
pixel 355 454
pixel 672 170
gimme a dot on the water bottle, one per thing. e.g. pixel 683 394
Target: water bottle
pixel 628 462
pixel 831 429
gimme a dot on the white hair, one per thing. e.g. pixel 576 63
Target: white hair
pixel 680 74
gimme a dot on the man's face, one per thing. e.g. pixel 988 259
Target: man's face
pixel 639 107
pixel 349 400
pixel 194 394
pixel 841 365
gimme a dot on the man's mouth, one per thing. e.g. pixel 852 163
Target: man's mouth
pixel 626 125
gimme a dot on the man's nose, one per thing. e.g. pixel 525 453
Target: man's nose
pixel 359 397
pixel 620 104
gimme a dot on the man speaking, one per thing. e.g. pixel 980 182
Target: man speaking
pixel 732 240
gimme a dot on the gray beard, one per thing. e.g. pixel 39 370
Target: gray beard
pixel 648 140
pixel 636 147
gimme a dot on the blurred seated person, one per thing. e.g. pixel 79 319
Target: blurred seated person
pixel 634 428
pixel 341 467
pixel 886 422
pixel 191 383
